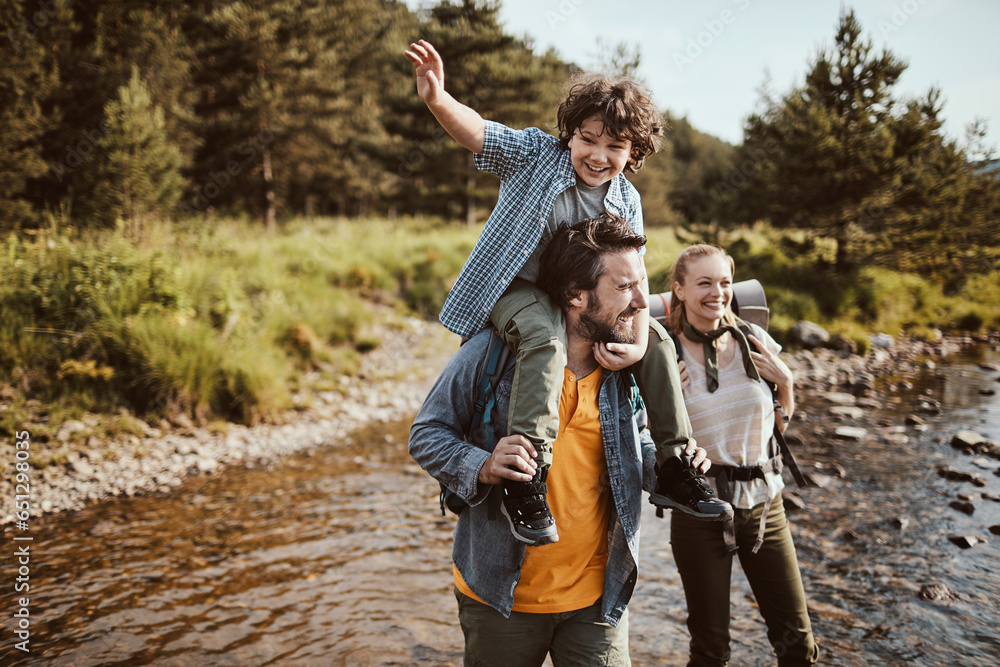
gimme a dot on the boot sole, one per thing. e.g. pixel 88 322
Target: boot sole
pixel 536 538
pixel 666 502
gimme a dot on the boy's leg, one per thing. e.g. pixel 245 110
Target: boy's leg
pixel 536 332
pixel 678 485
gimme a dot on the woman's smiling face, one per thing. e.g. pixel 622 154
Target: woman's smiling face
pixel 707 291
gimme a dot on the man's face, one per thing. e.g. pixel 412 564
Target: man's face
pixel 609 314
pixel 596 156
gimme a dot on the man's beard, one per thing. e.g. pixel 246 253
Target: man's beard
pixel 599 330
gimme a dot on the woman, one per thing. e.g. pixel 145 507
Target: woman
pixel 733 413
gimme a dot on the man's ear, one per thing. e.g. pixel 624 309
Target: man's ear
pixel 576 298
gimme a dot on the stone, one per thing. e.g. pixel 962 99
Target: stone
pixel 895 439
pixel 207 465
pixel 69 429
pixel 882 340
pixel 900 523
pixel 850 432
pixel 961 476
pixel 851 411
pixel 938 593
pixel 840 398
pixel 793 502
pixel 966 439
pixel 808 335
pixel 863 384
pixel 81 467
pixel 963 506
pixel 966 541
pixel 995 529
pixel 913 420
pixel 989 366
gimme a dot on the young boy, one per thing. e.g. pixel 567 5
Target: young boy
pixel 606 127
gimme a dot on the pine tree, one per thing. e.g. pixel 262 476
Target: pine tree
pixel 825 151
pixel 289 93
pixel 24 82
pixel 94 46
pixel 137 170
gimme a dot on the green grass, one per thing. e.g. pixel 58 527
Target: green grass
pixel 213 318
pixel 217 319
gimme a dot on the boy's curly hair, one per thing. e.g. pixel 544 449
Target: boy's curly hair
pixel 626 108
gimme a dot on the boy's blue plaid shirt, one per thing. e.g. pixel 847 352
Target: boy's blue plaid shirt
pixel 533 170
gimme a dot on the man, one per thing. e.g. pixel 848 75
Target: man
pixel 567 598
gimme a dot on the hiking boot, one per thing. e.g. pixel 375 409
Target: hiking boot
pixel 681 487
pixel 527 511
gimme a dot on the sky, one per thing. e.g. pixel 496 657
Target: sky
pixel 707 60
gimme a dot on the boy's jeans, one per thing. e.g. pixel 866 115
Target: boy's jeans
pixel 535 329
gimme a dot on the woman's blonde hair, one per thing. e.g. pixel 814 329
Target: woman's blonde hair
pixel 679 275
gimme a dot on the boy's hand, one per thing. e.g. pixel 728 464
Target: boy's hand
pixel 616 356
pixel 430 70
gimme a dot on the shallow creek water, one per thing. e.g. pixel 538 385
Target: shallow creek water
pixel 340 557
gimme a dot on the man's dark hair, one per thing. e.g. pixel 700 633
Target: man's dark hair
pixel 624 106
pixel 573 259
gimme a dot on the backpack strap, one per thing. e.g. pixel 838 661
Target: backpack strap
pixel 778 438
pixel 482 431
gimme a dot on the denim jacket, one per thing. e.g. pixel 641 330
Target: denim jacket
pixel 485 553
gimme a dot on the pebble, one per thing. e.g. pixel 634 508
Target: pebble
pixel 850 432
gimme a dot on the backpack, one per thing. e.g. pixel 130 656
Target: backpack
pixel 482 432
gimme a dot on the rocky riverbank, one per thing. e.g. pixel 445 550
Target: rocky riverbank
pixel 392 384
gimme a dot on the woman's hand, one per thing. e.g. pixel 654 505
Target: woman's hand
pixel 512 458
pixel 771 368
pixel 682 370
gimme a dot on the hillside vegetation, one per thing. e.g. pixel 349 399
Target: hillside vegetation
pixel 219 320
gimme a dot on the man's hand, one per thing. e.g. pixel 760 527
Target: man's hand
pixel 616 356
pixel 512 458
pixel 430 70
pixel 700 460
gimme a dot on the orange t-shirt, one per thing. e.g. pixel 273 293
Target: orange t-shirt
pixel 569 574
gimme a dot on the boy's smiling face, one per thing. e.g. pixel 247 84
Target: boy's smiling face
pixel 596 156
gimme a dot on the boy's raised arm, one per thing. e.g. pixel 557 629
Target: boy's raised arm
pixel 463 123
